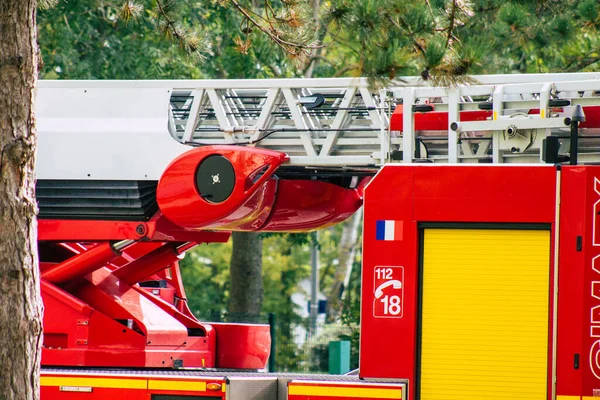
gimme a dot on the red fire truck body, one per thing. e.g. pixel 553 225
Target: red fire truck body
pixel 480 277
pixel 517 326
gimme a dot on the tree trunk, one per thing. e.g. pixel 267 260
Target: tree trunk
pixel 348 243
pixel 20 302
pixel 245 272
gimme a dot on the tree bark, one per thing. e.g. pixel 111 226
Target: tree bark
pixel 341 276
pixel 20 301
pixel 245 272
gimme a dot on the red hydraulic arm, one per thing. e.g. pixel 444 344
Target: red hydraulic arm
pixel 112 288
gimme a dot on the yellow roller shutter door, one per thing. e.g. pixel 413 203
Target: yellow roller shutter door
pixel 484 314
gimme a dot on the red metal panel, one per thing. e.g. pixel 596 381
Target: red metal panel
pixel 181 203
pixel 313 397
pixel 573 210
pixel 148 264
pixel 387 345
pixel 408 195
pixel 80 230
pixel 99 320
pixel 54 393
pixel 489 193
pixel 126 386
pixel 327 390
pixel 157 228
pixel 592 117
pixel 336 397
pixel 243 346
pixel 438 120
pixel 306 205
pixel 590 353
pixel 81 264
pixel 433 120
pixel 267 204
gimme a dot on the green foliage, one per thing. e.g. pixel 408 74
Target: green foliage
pixel 531 36
pixel 452 38
pixel 88 40
pixel 378 38
pixel 513 16
pixel 435 51
pixel 588 10
pixel 351 312
pixel 205 273
pixel 46 4
pixel 284 265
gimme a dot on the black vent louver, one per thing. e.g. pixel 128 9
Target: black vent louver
pixel 96 200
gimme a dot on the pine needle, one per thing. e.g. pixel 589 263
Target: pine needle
pixel 47 4
pixel 130 10
pixel 242 45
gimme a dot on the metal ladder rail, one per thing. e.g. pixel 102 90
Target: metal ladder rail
pixel 124 130
pixel 467 142
pixel 350 128
pixel 345 129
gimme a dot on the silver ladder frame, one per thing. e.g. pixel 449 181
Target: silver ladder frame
pixel 134 129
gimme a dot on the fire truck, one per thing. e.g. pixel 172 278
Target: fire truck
pixel 481 239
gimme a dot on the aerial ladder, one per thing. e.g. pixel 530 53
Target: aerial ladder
pixel 131 174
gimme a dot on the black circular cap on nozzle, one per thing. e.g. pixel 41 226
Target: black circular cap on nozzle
pixel 215 178
pixel 578 114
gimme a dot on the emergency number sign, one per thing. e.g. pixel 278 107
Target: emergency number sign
pixel 388 292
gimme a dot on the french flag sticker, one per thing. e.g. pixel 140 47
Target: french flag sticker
pixel 389 230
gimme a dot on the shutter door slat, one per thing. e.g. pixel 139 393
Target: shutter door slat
pixel 484 315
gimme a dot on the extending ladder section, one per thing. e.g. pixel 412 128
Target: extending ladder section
pixel 133 129
pixel 316 121
pixel 497 123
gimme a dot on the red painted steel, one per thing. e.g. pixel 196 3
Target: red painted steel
pixel 97 315
pixel 306 205
pixel 82 230
pixel 592 117
pixel 180 202
pixel 104 319
pixel 245 346
pixel 425 193
pixel 157 228
pixel 433 120
pixel 574 214
pixel 268 204
pixel 438 120
pixel 126 385
pixel 81 264
pixel 327 390
pixel 313 397
pixel 112 324
pixel 259 201
pixel 590 322
pixel 148 264
pixel 387 346
pixel 166 294
pixel 54 393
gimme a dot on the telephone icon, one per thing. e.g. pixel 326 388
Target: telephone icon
pixel 393 283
